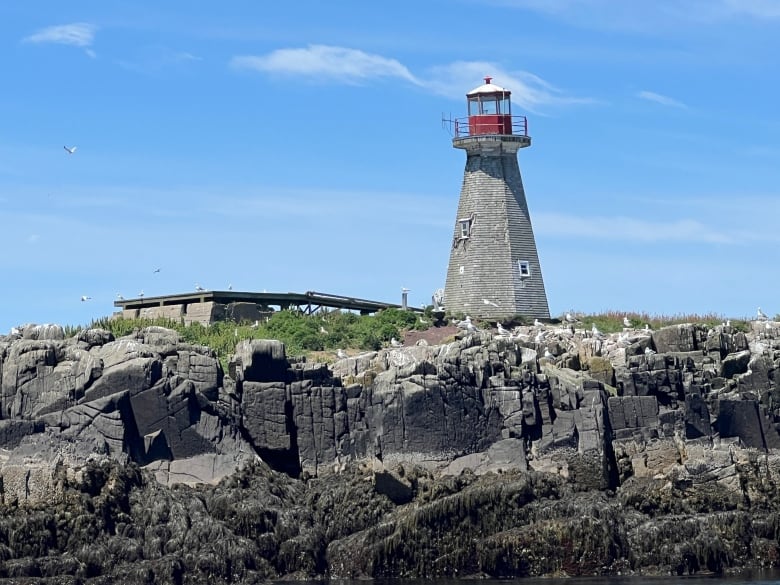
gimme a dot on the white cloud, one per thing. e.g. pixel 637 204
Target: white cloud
pixel 323 62
pixel 660 99
pixel 345 65
pixel 77 34
pixel 628 229
pixel 528 90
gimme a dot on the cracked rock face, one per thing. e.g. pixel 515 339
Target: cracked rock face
pixel 597 410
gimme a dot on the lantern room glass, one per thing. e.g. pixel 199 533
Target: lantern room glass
pixel 489 104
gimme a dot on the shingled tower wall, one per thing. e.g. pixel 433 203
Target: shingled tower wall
pixel 494 268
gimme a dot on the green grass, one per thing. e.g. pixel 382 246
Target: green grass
pixel 612 321
pixel 301 334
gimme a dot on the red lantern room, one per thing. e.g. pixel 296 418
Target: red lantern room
pixel 490 114
pixel 490 110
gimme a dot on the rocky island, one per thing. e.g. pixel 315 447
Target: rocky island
pixel 547 450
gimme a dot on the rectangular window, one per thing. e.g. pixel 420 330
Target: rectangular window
pixel 465 228
pixel 524 267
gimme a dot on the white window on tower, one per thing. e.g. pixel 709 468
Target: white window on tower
pixel 524 268
pixel 465 228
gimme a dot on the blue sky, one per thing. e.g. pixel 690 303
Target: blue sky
pixel 293 147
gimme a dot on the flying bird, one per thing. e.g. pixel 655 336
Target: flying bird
pixel 155 271
pixel 70 149
pixel 119 297
pixel 85 298
pixel 199 288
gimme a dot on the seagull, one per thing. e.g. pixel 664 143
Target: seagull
pixel 760 315
pixel 548 354
pixel 323 330
pixel 85 298
pixel 341 354
pixel 501 331
pixel 622 338
pixel 489 302
pixel 539 337
pixel 230 287
pixel 199 288
pixel 626 322
pixel 141 294
pixel 647 328
pixel 538 323
pixel 155 271
pixel 71 149
pixel 595 331
pixel 570 318
pixel 119 297
pixel 395 343
pixel 467 324
pixel 649 351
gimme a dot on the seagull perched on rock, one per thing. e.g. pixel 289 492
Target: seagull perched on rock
pixel 648 329
pixel 548 354
pixel 760 315
pixel 649 351
pixel 570 318
pixel 538 323
pixel 502 331
pixel 141 294
pixel 467 324
pixel 85 298
pixel 539 337
pixel 70 149
pixel 595 331
pixel 199 288
pixel 395 343
pixel 341 354
pixel 626 322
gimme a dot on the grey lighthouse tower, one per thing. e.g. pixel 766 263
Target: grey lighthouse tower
pixel 494 269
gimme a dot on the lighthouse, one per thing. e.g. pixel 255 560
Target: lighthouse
pixel 494 269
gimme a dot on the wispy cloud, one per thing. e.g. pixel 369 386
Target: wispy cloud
pixel 347 65
pixel 628 229
pixel 660 99
pixel 154 59
pixel 77 34
pixel 763 9
pixel 326 62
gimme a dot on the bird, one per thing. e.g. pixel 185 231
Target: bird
pixel 199 288
pixel 489 302
pixel 119 297
pixel 70 149
pixel 595 331
pixel 155 271
pixel 341 354
pixel 141 294
pixel 323 330
pixel 760 315
pixel 467 324
pixel 539 337
pixel 622 338
pixel 85 298
pixel 538 323
pixel 626 322
pixel 570 318
pixel 649 351
pixel 395 343
pixel 548 354
pixel 502 331
pixel 230 287
pixel 648 329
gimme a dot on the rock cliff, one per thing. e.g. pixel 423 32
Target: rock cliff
pixel 642 451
